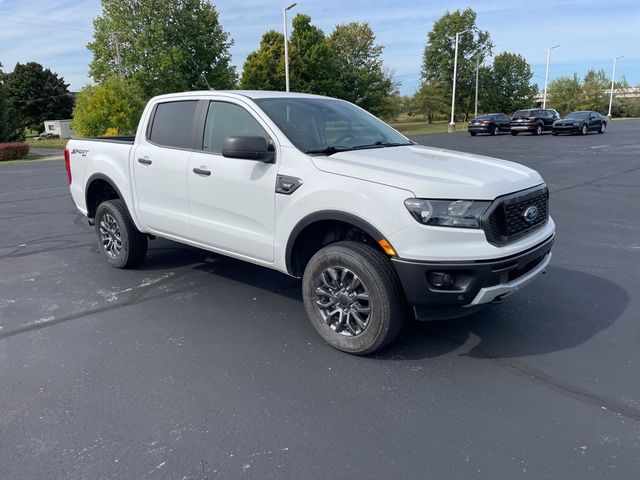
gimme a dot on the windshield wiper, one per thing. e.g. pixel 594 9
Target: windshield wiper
pixel 382 143
pixel 330 150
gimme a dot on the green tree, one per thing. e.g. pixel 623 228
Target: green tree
pixel 115 105
pixel 264 68
pixel 162 45
pixel 313 60
pixel 594 88
pixel 565 94
pixel 9 129
pixel 431 100
pixel 37 94
pixel 506 86
pixel 361 76
pixel 438 57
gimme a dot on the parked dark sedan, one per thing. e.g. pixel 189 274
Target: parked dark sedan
pixel 491 123
pixel 533 120
pixel 581 122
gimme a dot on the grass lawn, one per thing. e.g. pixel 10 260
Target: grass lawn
pixel 420 128
pixel 57 143
pixel 30 157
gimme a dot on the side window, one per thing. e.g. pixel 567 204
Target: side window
pixel 172 124
pixel 228 120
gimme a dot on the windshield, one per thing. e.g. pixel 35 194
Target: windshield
pixel 578 115
pixel 323 125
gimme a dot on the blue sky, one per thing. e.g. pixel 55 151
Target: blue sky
pixel 590 32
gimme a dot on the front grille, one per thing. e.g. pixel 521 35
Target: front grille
pixel 505 220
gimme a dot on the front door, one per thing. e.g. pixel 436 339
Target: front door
pixel 232 201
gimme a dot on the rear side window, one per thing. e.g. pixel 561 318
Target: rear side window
pixel 172 124
pixel 228 120
pixel 522 113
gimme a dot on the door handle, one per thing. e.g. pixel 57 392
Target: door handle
pixel 201 171
pixel 145 161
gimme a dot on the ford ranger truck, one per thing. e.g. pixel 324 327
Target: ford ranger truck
pixel 317 188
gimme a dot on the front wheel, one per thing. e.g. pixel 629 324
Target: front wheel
pixel 473 134
pixel 538 130
pixel 494 131
pixel 353 297
pixel 603 127
pixel 584 130
pixel 122 245
pixel 514 133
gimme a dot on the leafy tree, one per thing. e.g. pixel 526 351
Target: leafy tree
pixel 564 94
pixel 438 57
pixel 164 45
pixel 594 87
pixel 9 129
pixel 264 68
pixel 431 100
pixel 37 94
pixel 506 86
pixel 313 60
pixel 114 107
pixel 361 76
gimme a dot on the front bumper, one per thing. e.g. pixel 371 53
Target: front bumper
pixel 566 128
pixel 474 282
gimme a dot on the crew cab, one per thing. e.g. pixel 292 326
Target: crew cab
pixel 318 189
pixel 534 120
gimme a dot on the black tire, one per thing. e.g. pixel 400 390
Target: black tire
pixel 603 127
pixel 384 296
pixel 113 222
pixel 538 130
pixel 584 130
pixel 494 131
pixel 555 134
pixel 514 133
pixel 473 134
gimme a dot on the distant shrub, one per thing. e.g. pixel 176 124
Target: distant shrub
pixel 13 150
pixel 111 132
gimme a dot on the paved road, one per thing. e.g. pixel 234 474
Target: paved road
pixel 197 366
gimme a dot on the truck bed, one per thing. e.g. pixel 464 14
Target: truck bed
pixel 128 139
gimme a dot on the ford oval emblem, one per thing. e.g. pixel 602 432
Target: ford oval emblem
pixel 531 213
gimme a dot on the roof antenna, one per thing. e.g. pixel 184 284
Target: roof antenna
pixel 205 81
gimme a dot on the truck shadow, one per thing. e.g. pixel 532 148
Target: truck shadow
pixel 561 310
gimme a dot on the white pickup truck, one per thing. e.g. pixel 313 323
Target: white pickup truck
pixel 374 224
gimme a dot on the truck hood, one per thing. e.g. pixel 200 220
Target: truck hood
pixel 432 172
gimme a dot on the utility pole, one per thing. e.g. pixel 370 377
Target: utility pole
pixel 475 111
pixel 114 38
pixel 613 78
pixel 546 76
pixel 286 44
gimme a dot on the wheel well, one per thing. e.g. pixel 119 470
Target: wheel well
pixel 99 191
pixel 320 234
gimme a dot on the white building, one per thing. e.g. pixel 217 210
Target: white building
pixel 62 128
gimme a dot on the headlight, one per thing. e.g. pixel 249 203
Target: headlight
pixel 447 213
pixel 576 124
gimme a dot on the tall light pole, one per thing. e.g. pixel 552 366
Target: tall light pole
pixel 286 44
pixel 546 76
pixel 478 53
pixel 613 78
pixel 452 124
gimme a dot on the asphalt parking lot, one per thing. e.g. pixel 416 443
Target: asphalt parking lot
pixel 202 367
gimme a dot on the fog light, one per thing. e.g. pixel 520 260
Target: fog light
pixel 441 280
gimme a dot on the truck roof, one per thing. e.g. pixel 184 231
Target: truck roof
pixel 253 94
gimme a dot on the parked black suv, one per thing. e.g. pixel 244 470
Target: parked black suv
pixel 581 122
pixel 534 120
pixel 491 123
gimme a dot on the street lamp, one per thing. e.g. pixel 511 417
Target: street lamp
pixel 452 124
pixel 613 77
pixel 478 53
pixel 546 76
pixel 286 44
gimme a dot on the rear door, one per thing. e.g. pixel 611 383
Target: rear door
pixel 232 201
pixel 160 162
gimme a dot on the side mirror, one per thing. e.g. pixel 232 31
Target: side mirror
pixel 248 148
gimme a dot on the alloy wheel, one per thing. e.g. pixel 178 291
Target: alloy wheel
pixel 110 236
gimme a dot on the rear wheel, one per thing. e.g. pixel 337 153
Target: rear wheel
pixel 555 134
pixel 583 130
pixel 514 133
pixel 473 134
pixel 603 127
pixel 494 130
pixel 122 245
pixel 538 130
pixel 353 297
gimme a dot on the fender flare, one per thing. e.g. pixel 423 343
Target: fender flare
pixel 102 176
pixel 335 215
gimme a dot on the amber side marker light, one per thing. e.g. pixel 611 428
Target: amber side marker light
pixel 386 246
